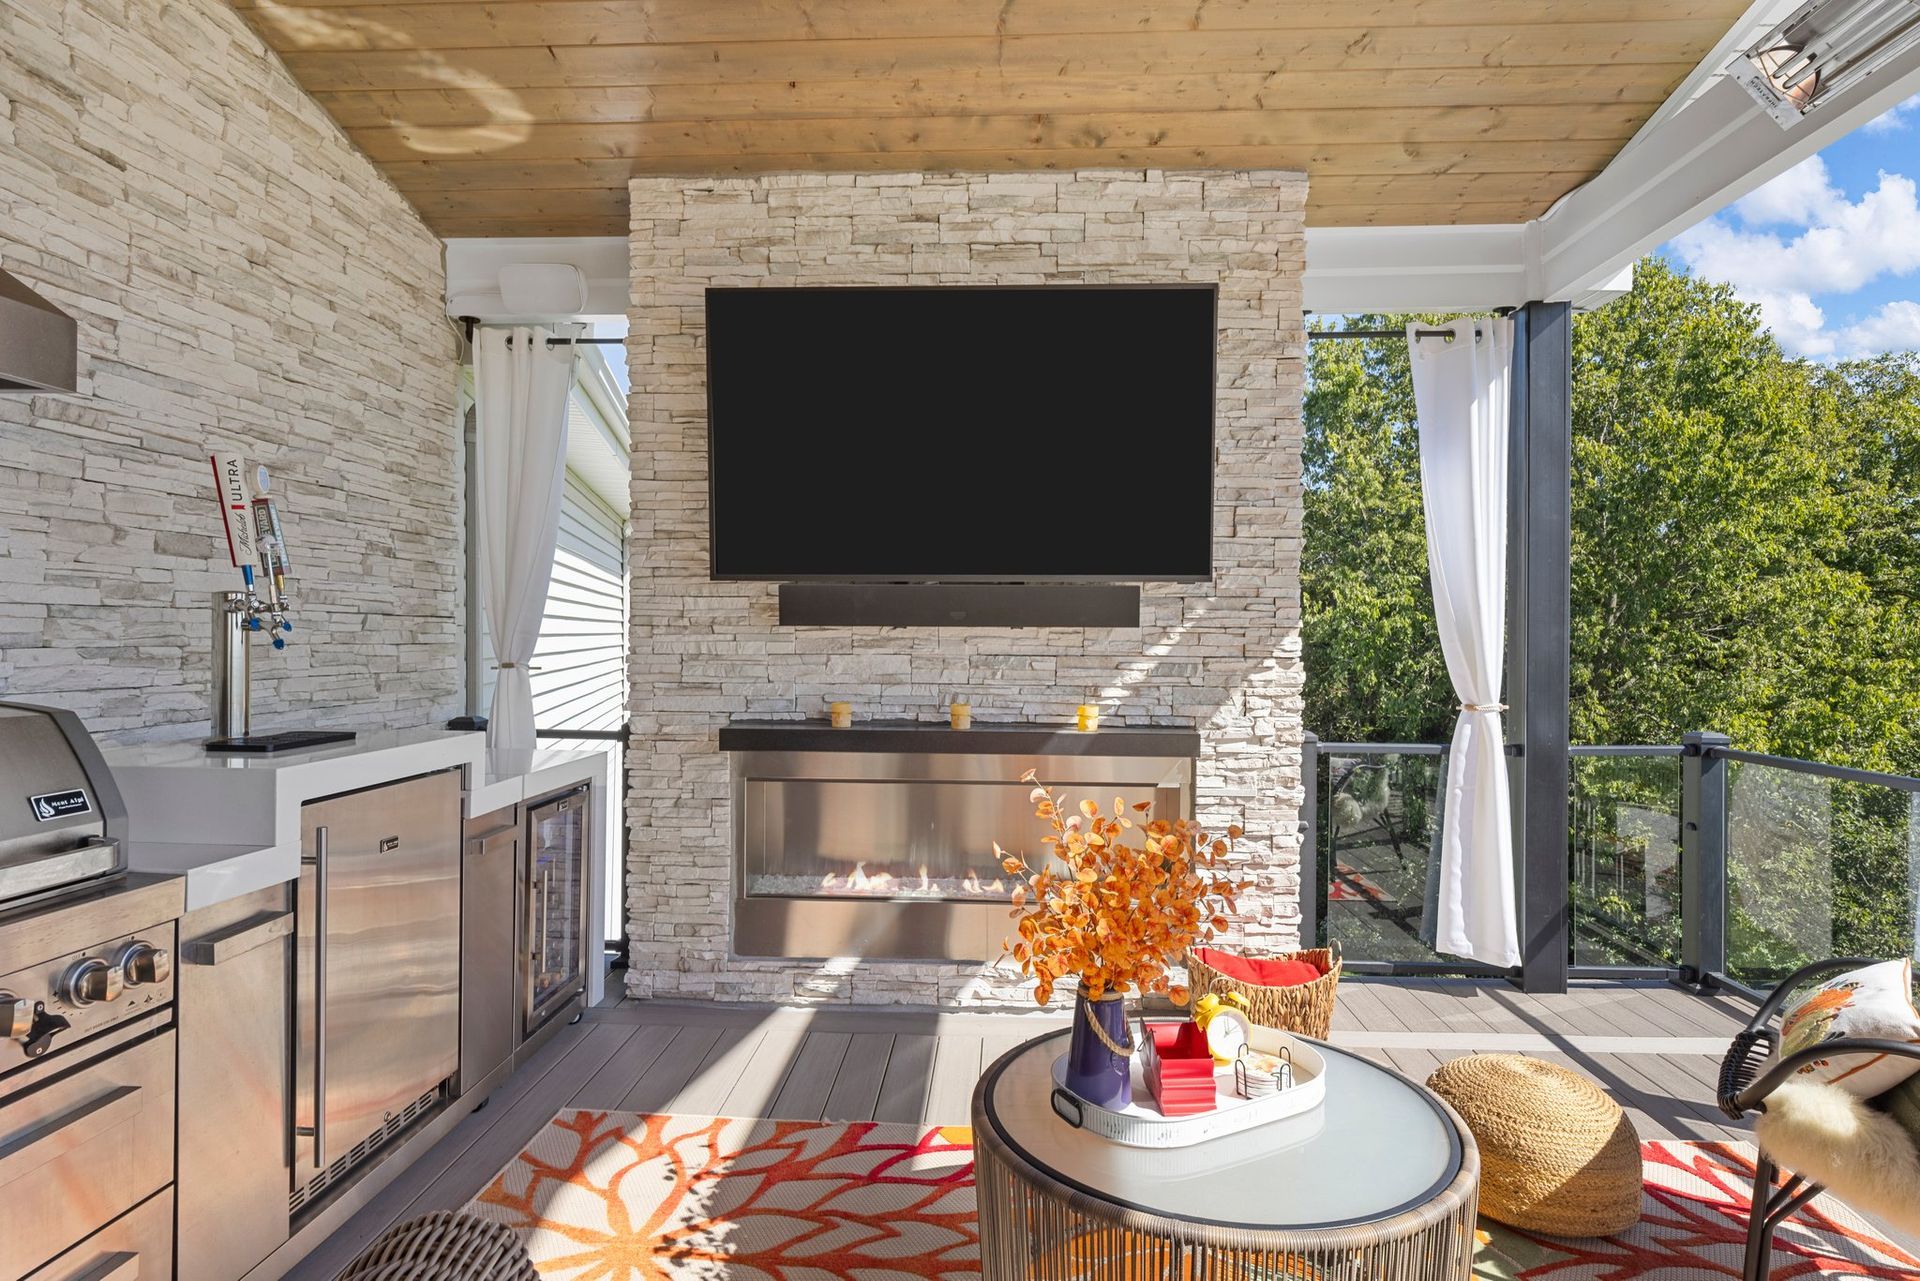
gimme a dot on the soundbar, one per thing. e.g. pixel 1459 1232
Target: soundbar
pixel 959 605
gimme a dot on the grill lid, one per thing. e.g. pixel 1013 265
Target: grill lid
pixel 61 819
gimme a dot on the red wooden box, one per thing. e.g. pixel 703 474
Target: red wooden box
pixel 1179 1068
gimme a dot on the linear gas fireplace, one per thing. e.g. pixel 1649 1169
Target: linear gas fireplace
pixel 877 842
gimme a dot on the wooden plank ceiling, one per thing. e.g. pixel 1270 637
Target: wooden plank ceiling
pixel 525 117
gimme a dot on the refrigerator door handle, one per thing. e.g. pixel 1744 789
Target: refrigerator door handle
pixel 319 865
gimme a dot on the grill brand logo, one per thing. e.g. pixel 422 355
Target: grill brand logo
pixel 51 805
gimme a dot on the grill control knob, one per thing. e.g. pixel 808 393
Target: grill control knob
pixel 140 963
pixel 89 981
pixel 16 1017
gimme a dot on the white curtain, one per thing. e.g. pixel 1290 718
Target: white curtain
pixel 1462 386
pixel 520 406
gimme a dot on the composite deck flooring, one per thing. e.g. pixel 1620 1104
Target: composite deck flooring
pixel 1654 1047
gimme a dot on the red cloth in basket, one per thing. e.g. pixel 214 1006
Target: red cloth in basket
pixel 1263 971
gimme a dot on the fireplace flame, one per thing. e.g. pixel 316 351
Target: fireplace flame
pixel 918 881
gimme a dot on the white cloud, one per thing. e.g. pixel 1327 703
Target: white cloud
pixel 1898 116
pixel 1801 196
pixel 1895 327
pixel 1841 246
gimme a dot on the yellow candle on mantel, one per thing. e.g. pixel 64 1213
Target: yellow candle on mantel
pixel 841 715
pixel 1089 718
pixel 960 715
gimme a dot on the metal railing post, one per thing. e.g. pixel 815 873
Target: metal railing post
pixel 1310 891
pixel 1703 858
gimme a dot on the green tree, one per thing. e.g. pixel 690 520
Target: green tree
pixel 1745 547
pixel 1746 558
pixel 1372 654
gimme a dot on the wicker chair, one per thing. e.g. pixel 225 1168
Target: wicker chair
pixel 1746 1079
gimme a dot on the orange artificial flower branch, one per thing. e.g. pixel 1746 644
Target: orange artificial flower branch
pixel 1114 915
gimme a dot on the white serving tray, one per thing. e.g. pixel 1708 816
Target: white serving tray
pixel 1142 1125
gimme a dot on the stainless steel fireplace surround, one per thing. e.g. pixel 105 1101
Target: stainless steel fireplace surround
pixel 877 841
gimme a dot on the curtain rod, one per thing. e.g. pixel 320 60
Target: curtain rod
pixel 1325 335
pixel 470 324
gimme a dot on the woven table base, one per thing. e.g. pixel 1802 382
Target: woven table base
pixel 444 1246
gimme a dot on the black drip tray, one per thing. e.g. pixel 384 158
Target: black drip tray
pixel 291 740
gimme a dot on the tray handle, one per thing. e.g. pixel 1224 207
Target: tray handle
pixel 1062 1100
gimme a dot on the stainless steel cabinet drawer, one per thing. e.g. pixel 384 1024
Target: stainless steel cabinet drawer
pixel 83 1150
pixel 138 1246
pixel 236 1029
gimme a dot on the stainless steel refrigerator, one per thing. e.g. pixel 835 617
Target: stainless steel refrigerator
pixel 377 972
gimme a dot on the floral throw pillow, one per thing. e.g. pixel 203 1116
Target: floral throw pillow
pixel 1872 1003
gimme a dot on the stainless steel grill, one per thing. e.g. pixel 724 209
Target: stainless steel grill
pixel 61 820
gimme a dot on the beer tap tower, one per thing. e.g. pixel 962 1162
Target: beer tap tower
pixel 258 547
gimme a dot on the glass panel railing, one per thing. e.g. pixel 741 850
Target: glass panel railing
pixel 1624 856
pixel 1378 820
pixel 1819 865
pixel 1822 861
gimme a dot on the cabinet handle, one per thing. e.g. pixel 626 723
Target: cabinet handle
pixel 36 1149
pixel 319 864
pixel 237 940
pixel 115 1267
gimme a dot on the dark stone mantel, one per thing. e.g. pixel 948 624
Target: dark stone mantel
pixel 986 738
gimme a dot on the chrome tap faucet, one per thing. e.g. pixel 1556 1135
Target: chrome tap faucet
pixel 258 548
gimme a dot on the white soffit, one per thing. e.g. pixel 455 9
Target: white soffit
pixel 473 272
pixel 1707 148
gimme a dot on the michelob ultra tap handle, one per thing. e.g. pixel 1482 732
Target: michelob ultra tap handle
pixel 236 511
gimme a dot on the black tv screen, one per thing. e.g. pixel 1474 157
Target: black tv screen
pixel 971 434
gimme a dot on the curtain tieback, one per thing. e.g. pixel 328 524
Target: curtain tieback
pixel 1483 707
pixel 503 666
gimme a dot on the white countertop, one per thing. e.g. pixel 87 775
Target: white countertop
pixel 230 822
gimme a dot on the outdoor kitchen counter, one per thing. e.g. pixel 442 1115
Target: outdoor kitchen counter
pixel 230 823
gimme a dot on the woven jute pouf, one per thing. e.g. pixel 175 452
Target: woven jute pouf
pixel 1557 1155
pixel 444 1246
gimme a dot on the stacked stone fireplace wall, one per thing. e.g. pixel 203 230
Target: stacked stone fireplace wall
pixel 1223 657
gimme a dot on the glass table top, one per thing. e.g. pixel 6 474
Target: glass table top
pixel 1378 1145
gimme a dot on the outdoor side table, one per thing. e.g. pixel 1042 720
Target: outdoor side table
pixel 1380 1183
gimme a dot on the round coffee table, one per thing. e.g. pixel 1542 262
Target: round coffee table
pixel 1379 1183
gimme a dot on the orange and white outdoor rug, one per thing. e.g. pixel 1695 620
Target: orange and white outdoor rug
pixel 616 1196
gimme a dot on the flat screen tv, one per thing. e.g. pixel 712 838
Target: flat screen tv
pixel 961 434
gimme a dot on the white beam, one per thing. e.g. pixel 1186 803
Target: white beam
pixel 1698 161
pixel 1368 269
pixel 473 272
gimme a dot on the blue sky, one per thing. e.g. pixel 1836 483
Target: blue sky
pixel 1830 250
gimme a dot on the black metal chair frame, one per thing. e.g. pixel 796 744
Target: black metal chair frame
pixel 1745 1083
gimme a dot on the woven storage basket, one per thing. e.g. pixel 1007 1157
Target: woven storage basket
pixel 444 1246
pixel 1306 1008
pixel 1557 1155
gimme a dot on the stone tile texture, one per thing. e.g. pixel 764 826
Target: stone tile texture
pixel 1223 656
pixel 243 278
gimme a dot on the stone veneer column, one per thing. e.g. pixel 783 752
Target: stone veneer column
pixel 1224 657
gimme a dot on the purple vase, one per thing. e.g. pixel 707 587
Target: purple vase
pixel 1094 1071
